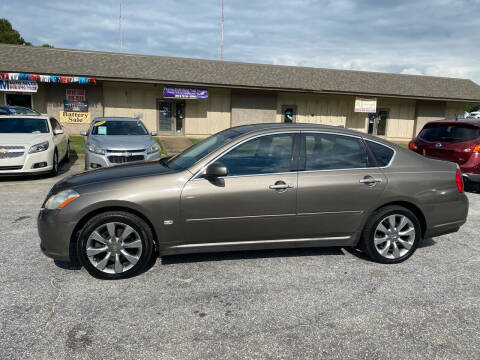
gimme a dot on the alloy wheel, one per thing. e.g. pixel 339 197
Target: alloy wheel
pixel 114 248
pixel 394 236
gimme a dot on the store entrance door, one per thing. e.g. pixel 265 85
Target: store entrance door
pixel 377 123
pixel 24 100
pixel 171 116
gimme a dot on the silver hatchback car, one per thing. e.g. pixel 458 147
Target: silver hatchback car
pixel 117 140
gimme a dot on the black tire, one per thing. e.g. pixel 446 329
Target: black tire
pixel 139 225
pixel 54 171
pixel 67 155
pixel 368 235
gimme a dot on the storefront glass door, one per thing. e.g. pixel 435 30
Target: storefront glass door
pixel 171 117
pixel 377 123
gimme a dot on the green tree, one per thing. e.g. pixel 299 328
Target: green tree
pixel 8 35
pixel 472 107
pixel 47 45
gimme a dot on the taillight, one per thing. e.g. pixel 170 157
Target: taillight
pixel 473 149
pixel 412 145
pixel 459 180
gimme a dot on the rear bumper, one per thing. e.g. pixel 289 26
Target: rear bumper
pixel 443 229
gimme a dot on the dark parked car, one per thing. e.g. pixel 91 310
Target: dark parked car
pixel 17 110
pixel 255 187
pixel 457 141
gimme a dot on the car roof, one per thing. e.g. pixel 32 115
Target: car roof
pixel 23 116
pixel 113 118
pixel 16 107
pixel 470 121
pixel 266 127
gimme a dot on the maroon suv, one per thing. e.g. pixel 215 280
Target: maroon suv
pixel 457 141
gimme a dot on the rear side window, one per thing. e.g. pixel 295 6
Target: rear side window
pixel 334 152
pixel 383 154
pixel 449 132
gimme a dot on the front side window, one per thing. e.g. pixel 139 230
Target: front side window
pixel 119 127
pixel 263 155
pixel 23 126
pixel 334 152
pixel 55 124
pixel 205 147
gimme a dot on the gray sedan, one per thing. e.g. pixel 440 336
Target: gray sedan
pixel 115 140
pixel 255 187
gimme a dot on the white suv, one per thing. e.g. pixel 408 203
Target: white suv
pixel 31 144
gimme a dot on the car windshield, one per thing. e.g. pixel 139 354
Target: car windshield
pixel 23 125
pixel 449 132
pixel 198 151
pixel 119 127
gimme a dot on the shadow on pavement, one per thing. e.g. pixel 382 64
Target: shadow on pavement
pixel 251 254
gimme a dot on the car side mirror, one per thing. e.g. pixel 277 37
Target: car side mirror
pixel 216 170
pixel 83 133
pixel 58 131
pixel 154 133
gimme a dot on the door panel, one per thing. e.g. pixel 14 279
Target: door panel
pixel 239 208
pixel 335 185
pixel 333 203
pixel 165 117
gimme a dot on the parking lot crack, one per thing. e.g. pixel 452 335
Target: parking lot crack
pixel 52 313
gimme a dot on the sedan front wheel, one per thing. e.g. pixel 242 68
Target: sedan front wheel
pixel 115 245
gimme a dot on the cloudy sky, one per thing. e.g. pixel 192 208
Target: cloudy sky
pixel 430 37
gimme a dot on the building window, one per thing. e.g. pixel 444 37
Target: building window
pixel 19 100
pixel 289 113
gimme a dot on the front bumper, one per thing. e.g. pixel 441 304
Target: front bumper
pixel 55 234
pixel 95 161
pixel 26 164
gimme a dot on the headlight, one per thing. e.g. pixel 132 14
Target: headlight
pixel 95 149
pixel 153 149
pixel 39 147
pixel 62 199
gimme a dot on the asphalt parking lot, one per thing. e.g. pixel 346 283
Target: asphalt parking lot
pixel 289 304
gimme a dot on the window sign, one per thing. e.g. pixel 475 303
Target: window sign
pixel 71 105
pixel 18 86
pixel 75 94
pixel 75 117
pixel 185 93
pixel 366 105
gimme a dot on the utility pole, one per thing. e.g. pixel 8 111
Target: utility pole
pixel 120 26
pixel 221 37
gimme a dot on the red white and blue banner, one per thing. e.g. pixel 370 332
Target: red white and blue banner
pixel 47 78
pixel 18 86
pixel 184 93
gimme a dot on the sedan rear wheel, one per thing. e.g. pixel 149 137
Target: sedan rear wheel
pixel 115 245
pixel 392 234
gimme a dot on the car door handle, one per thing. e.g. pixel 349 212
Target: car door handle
pixel 368 180
pixel 280 186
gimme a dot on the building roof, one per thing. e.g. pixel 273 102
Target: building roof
pixel 183 71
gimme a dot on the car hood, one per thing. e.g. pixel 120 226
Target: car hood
pixel 23 139
pixel 112 174
pixel 120 142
